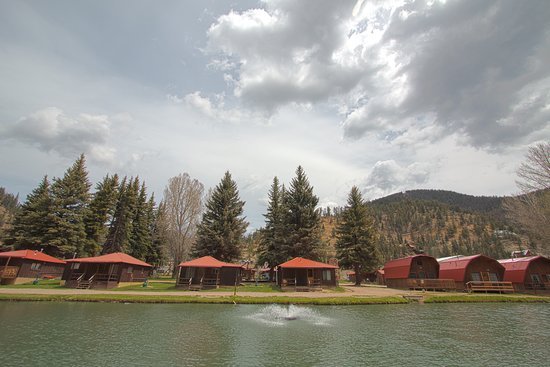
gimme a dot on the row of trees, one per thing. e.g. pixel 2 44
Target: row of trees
pixel 293 227
pixel 64 219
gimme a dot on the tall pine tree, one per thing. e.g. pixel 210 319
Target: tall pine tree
pixel 100 214
pixel 356 237
pixel 71 197
pixel 140 236
pixel 274 234
pixel 221 230
pixel 302 218
pixel 33 221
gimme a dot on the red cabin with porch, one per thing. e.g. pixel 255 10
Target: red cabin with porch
pixel 305 274
pixel 472 270
pixel 527 273
pixel 23 266
pixel 207 272
pixel 415 272
pixel 105 271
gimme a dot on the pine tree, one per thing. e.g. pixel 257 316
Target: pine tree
pixel 33 221
pixel 157 238
pixel 273 235
pixel 355 245
pixel 302 218
pixel 117 236
pixel 221 230
pixel 100 214
pixel 71 198
pixel 140 236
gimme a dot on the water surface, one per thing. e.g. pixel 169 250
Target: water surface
pixel 96 334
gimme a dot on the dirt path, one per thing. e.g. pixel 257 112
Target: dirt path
pixel 363 291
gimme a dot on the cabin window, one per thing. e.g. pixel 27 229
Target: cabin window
pixel 35 266
pixel 75 266
pixel 535 278
pixel 419 262
pixel 327 275
pixel 412 275
pixel 216 271
pixel 421 275
pixel 548 277
pixel 493 277
pixel 310 273
pixel 476 277
pixel 130 270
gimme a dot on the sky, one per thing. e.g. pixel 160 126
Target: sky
pixel 385 95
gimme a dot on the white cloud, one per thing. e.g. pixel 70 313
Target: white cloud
pixel 387 177
pixel 476 69
pixel 50 129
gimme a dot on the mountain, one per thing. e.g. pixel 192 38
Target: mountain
pixel 439 223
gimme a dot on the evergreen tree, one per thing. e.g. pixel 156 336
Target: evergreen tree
pixel 273 235
pixel 141 235
pixel 117 236
pixel 302 219
pixel 157 235
pixel 355 245
pixel 71 197
pixel 33 221
pixel 221 230
pixel 100 214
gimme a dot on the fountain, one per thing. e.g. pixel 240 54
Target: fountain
pixel 280 315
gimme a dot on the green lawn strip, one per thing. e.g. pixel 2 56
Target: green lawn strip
pixel 42 284
pixel 121 298
pixel 481 298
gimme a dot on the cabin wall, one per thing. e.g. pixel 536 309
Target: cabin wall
pixel 483 267
pixel 134 273
pixel 228 276
pixel 424 268
pixel 327 279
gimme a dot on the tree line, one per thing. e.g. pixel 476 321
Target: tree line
pixel 62 218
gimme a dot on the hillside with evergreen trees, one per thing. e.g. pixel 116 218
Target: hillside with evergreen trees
pixel 436 222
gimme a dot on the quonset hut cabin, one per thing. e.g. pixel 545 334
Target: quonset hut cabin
pixel 475 273
pixel 23 266
pixel 415 272
pixel 305 275
pixel 527 273
pixel 105 271
pixel 207 272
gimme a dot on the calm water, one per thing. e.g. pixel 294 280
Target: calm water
pixel 85 334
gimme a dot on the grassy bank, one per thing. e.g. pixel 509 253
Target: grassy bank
pixel 486 298
pixel 127 298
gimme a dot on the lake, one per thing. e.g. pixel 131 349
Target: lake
pixel 105 334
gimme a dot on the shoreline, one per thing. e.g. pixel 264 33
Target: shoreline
pixel 326 299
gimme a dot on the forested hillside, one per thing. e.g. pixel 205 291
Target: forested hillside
pixel 439 223
pixel 9 204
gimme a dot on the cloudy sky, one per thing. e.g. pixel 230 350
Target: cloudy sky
pixel 385 95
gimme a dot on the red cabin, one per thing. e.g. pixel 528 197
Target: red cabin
pixel 415 272
pixel 23 266
pixel 531 272
pixel 207 272
pixel 305 274
pixel 105 271
pixel 476 269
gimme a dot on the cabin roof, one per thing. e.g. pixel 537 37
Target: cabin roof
pixel 117 257
pixel 455 267
pixel 516 268
pixel 400 268
pixel 208 262
pixel 301 263
pixel 31 255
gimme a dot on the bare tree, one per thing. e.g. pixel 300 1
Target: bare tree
pixel 183 206
pixel 531 209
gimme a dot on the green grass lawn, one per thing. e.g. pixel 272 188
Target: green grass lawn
pixel 42 284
